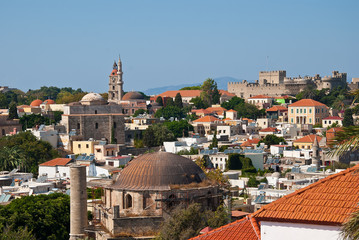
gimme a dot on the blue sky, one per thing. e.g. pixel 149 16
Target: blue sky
pixel 74 43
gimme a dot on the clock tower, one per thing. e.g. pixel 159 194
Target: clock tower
pixel 115 92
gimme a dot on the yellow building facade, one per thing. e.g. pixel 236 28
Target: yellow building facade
pixel 307 111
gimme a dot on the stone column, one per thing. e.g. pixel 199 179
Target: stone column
pixel 78 202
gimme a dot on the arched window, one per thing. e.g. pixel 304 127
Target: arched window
pixel 95 111
pixel 96 125
pixel 128 201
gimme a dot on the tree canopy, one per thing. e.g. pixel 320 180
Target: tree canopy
pixel 248 110
pixel 170 111
pixel 210 94
pixel 179 128
pixel 46 217
pixel 156 134
pixel 178 101
pixel 185 223
pixel 32 151
pixel 271 139
pixel 232 103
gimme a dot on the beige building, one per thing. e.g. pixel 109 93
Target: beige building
pixel 307 141
pixel 84 147
pixel 261 101
pixel 307 111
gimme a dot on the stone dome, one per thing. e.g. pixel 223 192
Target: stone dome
pixel 132 96
pixel 157 171
pixel 92 99
pixel 35 103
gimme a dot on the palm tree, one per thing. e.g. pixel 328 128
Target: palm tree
pixel 350 229
pixel 12 157
pixel 348 141
pixel 339 103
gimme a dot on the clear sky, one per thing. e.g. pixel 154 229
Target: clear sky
pixel 74 43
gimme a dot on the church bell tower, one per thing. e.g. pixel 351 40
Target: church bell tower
pixel 115 92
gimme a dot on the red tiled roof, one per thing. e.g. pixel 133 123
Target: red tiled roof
pixel 184 93
pixel 204 111
pixel 247 119
pixel 308 139
pixel 268 129
pixel 335 129
pixel 207 119
pixel 329 201
pixel 307 103
pixel 224 92
pixel 276 108
pixel 333 118
pixel 245 228
pixel 218 110
pixel 231 110
pixel 239 213
pixel 260 96
pixel 57 162
pixel 250 142
pixel 206 230
pixel 35 103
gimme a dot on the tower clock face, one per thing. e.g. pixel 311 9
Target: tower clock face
pixel 113 79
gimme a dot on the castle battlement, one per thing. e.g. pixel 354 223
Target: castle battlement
pixel 275 83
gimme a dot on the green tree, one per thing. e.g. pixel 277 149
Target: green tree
pixel 214 143
pixel 178 101
pixel 248 110
pixel 199 103
pixel 35 151
pixel 210 94
pixel 170 102
pixel 3 101
pixel 170 111
pixel 13 111
pixel 156 134
pixel 138 112
pixel 58 116
pixel 159 100
pixel 348 118
pixel 29 121
pixel 239 162
pixel 271 139
pixel 252 182
pixel 11 158
pixel 191 88
pixel 185 223
pixel 45 216
pixel 179 128
pixel 21 233
pixel 232 103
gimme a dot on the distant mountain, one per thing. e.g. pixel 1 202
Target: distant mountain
pixel 221 83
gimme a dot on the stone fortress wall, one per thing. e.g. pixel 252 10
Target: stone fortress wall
pixel 276 83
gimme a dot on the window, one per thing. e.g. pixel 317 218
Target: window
pixel 291 120
pixel 95 111
pixel 114 125
pixel 325 122
pixel 310 110
pixel 300 110
pixel 305 110
pixel 78 125
pixel 64 174
pixel 113 87
pixel 96 125
pixel 310 120
pixel 128 201
pixel 87 146
pixel 297 110
pixel 79 145
pixel 3 132
pixel 291 110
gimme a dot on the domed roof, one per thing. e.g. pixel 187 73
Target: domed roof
pixel 157 171
pixel 35 103
pixel 93 99
pixel 49 101
pixel 132 96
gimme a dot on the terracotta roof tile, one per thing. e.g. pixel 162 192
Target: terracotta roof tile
pixel 277 108
pixel 250 142
pixel 307 103
pixel 308 139
pixel 268 129
pixel 328 201
pixel 207 119
pixel 245 228
pixel 184 93
pixel 56 162
pixel 333 118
